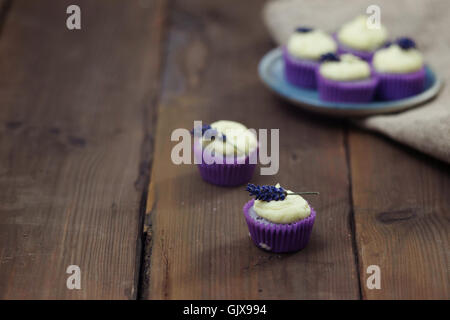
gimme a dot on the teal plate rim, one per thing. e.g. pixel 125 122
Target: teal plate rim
pixel 271 72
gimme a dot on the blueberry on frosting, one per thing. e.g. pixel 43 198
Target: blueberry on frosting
pixel 406 43
pixel 387 44
pixel 303 29
pixel 329 57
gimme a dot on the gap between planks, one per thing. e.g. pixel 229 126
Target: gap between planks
pixel 144 240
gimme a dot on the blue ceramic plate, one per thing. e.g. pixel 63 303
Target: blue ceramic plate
pixel 272 74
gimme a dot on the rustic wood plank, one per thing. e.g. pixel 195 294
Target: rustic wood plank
pixel 201 248
pixel 402 204
pixel 4 7
pixel 74 140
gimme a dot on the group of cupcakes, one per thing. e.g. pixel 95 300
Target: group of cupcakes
pixel 279 220
pixel 357 64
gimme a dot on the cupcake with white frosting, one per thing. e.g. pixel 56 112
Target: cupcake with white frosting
pixel 278 220
pixel 400 70
pixel 357 38
pixel 345 78
pixel 225 152
pixel 302 53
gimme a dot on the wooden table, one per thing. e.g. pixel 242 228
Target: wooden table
pixel 86 177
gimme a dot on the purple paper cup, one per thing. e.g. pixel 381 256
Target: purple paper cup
pixel 360 91
pixel 276 237
pixel 365 55
pixel 393 86
pixel 299 72
pixel 233 171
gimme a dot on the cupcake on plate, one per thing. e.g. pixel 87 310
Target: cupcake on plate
pixel 357 38
pixel 225 152
pixel 278 220
pixel 302 53
pixel 345 78
pixel 400 70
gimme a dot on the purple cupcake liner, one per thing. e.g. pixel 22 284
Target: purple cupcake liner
pixel 299 72
pixel 398 86
pixel 227 175
pixel 232 173
pixel 276 237
pixel 365 55
pixel 359 91
pixel 342 49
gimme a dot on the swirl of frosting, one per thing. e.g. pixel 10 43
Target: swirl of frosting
pixel 356 34
pixel 397 60
pixel 293 208
pixel 310 45
pixel 349 68
pixel 239 140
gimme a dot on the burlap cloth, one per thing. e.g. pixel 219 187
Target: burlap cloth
pixel 426 128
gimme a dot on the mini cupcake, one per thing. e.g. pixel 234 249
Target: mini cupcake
pixel 357 38
pixel 302 53
pixel 400 70
pixel 345 78
pixel 278 220
pixel 225 153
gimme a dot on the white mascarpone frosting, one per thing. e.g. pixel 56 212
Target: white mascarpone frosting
pixel 349 68
pixel 356 34
pixel 239 140
pixel 293 208
pixel 394 59
pixel 310 45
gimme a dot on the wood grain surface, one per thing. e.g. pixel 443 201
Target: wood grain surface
pixel 75 113
pixel 401 204
pixel 201 247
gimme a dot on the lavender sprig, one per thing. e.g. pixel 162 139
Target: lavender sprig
pixel 271 193
pixel 208 132
pixel 266 193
